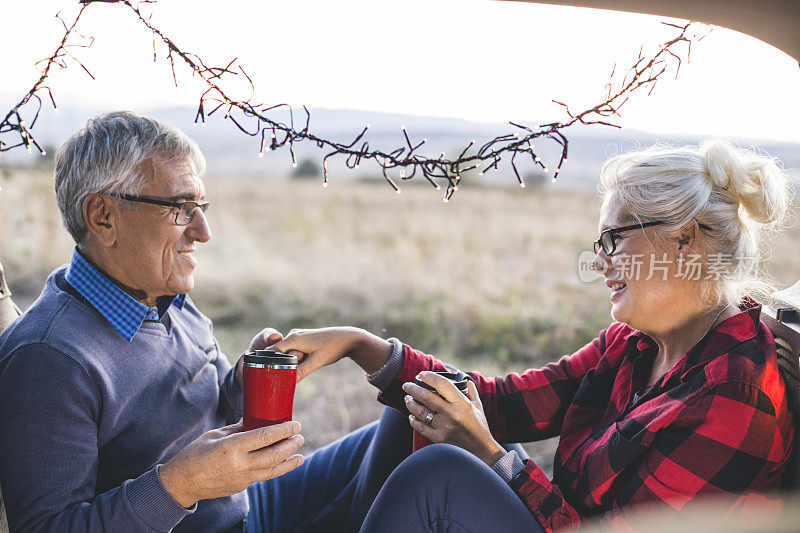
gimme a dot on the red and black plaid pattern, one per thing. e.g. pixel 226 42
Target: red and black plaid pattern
pixel 716 425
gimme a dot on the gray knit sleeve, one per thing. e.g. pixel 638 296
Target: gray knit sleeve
pixel 49 438
pixel 389 372
pixel 509 466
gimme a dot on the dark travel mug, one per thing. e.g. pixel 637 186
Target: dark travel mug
pixel 459 379
pixel 269 381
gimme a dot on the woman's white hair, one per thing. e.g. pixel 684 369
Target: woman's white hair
pixel 112 154
pixel 743 196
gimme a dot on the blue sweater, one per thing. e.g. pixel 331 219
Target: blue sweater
pixel 88 416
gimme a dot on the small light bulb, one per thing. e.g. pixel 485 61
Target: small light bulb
pixel 480 173
pixel 294 164
pixel 403 128
pixel 425 140
pixel 537 159
pixel 325 185
pixel 438 188
pixel 445 199
pixel 522 185
pixel 455 189
pixel 356 165
pixel 367 126
pixel 398 191
pixel 553 180
pixel 57 110
pixel 545 169
pixel 261 154
pixel 44 153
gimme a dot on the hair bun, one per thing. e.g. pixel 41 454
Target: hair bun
pixel 753 179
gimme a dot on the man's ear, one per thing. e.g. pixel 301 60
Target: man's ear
pixel 100 214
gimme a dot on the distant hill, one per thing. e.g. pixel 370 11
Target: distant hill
pixel 231 153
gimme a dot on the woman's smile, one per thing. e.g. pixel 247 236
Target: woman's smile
pixel 617 287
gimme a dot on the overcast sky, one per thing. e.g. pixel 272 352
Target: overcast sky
pixel 470 59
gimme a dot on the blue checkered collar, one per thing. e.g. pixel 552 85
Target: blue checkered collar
pixel 121 310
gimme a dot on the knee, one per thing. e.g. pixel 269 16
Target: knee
pixel 442 456
pixel 440 462
pixel 437 475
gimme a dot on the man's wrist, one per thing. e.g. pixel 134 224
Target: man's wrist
pixel 171 480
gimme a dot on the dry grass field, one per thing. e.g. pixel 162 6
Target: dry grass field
pixel 488 281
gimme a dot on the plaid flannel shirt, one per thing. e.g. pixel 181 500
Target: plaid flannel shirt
pixel 717 424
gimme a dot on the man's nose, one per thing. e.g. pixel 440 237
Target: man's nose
pixel 198 229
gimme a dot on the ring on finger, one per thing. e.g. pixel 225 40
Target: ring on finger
pixel 429 418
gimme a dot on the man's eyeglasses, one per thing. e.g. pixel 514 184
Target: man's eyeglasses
pixel 184 213
pixel 608 239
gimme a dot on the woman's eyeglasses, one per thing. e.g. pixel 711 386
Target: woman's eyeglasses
pixel 608 239
pixel 185 211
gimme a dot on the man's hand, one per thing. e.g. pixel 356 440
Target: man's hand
pixel 225 461
pixel 263 339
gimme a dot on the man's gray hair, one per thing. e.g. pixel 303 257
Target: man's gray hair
pixel 111 154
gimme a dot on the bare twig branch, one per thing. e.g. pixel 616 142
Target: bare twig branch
pixel 253 119
pixel 13 123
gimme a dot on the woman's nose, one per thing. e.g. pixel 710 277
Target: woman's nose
pixel 600 263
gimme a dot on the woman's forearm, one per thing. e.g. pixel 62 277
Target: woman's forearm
pixel 369 351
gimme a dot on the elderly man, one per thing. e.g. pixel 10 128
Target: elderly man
pixel 114 393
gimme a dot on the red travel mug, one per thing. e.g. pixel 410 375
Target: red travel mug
pixel 459 379
pixel 269 381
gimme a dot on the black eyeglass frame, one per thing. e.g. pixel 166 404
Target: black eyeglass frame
pixel 598 244
pixel 180 206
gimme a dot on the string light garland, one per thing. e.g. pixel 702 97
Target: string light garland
pixel 13 121
pixel 406 161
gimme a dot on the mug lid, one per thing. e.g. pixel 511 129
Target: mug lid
pixel 269 357
pixel 457 378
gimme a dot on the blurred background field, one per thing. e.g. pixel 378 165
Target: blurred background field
pixel 488 281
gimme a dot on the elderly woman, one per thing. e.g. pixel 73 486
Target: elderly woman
pixel 678 398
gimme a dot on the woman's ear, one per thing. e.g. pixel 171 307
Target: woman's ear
pixel 100 214
pixel 687 239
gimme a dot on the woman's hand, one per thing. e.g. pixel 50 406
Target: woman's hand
pixel 321 347
pixel 459 419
